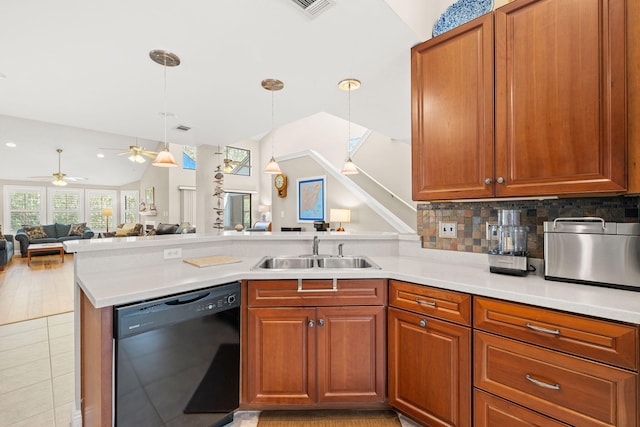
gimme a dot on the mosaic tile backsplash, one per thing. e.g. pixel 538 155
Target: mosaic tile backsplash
pixel 472 217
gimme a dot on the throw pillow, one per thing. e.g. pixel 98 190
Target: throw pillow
pixel 77 229
pixel 1 235
pixel 151 232
pixel 167 228
pixel 34 231
pixel 125 229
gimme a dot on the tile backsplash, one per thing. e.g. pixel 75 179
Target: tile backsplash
pixel 471 219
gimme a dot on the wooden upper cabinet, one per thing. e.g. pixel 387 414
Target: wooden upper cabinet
pixel 560 97
pixel 452 113
pixel 529 100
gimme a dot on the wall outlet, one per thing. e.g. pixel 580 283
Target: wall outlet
pixel 173 253
pixel 488 234
pixel 448 230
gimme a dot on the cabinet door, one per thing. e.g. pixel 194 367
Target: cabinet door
pixel 429 369
pixel 560 97
pixel 282 355
pixel 351 354
pixel 452 95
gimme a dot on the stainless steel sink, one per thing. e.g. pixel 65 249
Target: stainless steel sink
pixel 285 262
pixel 346 262
pixel 318 261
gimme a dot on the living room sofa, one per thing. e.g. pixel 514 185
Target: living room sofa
pixel 53 233
pixel 6 250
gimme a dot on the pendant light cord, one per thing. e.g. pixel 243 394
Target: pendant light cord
pixel 165 105
pixel 272 122
pixel 349 125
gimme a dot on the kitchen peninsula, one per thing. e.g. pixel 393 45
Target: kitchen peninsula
pixel 110 272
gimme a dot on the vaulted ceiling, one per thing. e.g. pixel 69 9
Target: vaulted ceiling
pixel 85 64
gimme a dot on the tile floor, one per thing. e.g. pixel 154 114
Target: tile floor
pixel 36 372
pixel 36 375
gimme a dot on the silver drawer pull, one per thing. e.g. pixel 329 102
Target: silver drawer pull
pixel 334 287
pixel 423 302
pixel 423 323
pixel 544 330
pixel 542 383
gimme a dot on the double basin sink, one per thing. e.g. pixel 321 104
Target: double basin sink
pixel 314 261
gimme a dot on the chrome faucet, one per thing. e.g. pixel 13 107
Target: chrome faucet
pixel 340 249
pixel 315 245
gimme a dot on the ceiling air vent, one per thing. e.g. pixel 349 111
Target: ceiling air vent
pixel 313 8
pixel 183 128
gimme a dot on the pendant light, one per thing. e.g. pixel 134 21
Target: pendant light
pixel 166 59
pixel 348 85
pixel 272 85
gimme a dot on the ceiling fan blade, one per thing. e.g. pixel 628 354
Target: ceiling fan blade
pixel 73 178
pixel 42 177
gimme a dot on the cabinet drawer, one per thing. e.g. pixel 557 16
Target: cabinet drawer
pixel 491 411
pixel 574 390
pixel 446 305
pixel 601 340
pixel 315 293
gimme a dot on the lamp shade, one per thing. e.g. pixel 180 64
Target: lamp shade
pixel 349 168
pixel 107 212
pixel 340 215
pixel 272 167
pixel 165 159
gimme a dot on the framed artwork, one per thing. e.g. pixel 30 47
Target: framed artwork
pixel 149 197
pixel 312 199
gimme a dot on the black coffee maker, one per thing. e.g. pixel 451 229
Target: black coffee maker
pixel 321 225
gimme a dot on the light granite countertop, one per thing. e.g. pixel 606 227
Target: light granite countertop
pixel 143 274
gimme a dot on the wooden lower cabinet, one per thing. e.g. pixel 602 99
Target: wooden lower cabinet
pixel 429 359
pixel 316 355
pixel 492 411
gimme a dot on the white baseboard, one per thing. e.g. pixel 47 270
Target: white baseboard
pixel 76 417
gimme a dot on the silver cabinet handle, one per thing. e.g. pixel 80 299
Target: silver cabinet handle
pixel 423 323
pixel 542 383
pixel 544 330
pixel 334 287
pixel 423 302
pixel 488 181
pixel 500 180
pixel 312 323
pixel 321 322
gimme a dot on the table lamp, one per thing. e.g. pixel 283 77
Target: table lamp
pixel 340 216
pixel 107 212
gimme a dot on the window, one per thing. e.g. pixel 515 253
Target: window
pixel 23 205
pixel 189 157
pixel 237 210
pixel 98 199
pixel 66 206
pixel 129 206
pixel 237 161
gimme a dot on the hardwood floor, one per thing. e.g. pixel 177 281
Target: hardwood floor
pixel 44 289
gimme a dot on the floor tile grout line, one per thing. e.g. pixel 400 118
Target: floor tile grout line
pixel 53 398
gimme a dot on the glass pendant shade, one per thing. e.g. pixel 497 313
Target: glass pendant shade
pixel 272 167
pixel 349 168
pixel 165 159
pixel 59 182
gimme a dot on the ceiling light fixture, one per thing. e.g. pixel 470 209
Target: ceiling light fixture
pixel 349 167
pixel 11 144
pixel 272 85
pixel 166 59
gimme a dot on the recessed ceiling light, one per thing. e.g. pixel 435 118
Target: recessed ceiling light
pixel 100 155
pixel 11 144
pixel 3 76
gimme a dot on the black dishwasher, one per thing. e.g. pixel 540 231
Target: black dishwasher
pixel 177 359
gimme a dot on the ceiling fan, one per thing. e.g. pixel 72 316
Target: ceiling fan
pixel 59 177
pixel 136 153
